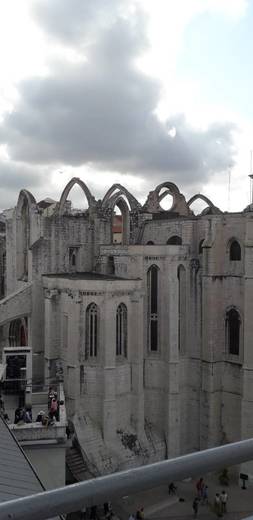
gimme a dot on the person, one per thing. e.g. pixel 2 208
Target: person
pixel 40 416
pixel 200 486
pixel 195 507
pixel 53 408
pixel 18 415
pixel 172 488
pixel 83 513
pixel 205 495
pixel 28 414
pixel 140 514
pixel 106 508
pixel 223 500
pixel 45 420
pixel 217 505
pixel 51 394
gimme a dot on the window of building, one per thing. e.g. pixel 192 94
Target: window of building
pixel 91 331
pixel 201 246
pixel 235 251
pixel 174 241
pixel 233 324
pixel 121 330
pixel 153 308
pixel 73 252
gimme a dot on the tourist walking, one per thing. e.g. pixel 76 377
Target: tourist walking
pixel 172 488
pixel 224 499
pixel 200 486
pixel 217 505
pixel 205 496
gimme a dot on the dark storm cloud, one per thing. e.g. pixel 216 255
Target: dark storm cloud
pixel 14 177
pixel 102 111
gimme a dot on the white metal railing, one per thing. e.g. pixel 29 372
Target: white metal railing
pixel 71 498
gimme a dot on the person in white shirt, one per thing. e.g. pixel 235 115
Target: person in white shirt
pixel 224 499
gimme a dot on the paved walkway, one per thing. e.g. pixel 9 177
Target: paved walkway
pixel 158 505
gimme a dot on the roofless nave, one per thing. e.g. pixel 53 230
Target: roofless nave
pixel 153 334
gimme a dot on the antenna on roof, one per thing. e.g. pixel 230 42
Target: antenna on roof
pixel 251 178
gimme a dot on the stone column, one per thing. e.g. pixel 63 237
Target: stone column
pixel 109 368
pixel 172 426
pixel 135 343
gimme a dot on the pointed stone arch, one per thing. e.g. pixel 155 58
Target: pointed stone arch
pixel 119 201
pixel 109 197
pixel 90 198
pixel 211 208
pixel 25 198
pixel 25 205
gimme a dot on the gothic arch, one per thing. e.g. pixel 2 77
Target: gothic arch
pixel 234 249
pixel 210 206
pixel 117 200
pixel 26 203
pixel 109 197
pixel 68 188
pixel 25 198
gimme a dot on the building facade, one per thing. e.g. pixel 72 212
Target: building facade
pixel 152 328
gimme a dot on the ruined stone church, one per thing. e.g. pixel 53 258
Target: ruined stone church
pixel 148 319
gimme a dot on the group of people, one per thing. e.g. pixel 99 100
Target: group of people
pixel 220 501
pixel 23 414
pixel 52 415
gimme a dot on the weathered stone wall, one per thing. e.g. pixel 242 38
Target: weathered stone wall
pixel 192 392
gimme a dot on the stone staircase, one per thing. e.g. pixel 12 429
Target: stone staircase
pixel 127 450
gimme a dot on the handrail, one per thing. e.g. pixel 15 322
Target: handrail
pixel 95 491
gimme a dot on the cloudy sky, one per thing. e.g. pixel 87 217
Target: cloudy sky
pixel 129 91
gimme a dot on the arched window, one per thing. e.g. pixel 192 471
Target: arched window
pixel 121 330
pixel 235 251
pixel 201 246
pixel 150 243
pixel 91 331
pixel 153 308
pixel 174 241
pixel 233 323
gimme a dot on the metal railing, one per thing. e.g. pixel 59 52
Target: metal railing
pixel 46 505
